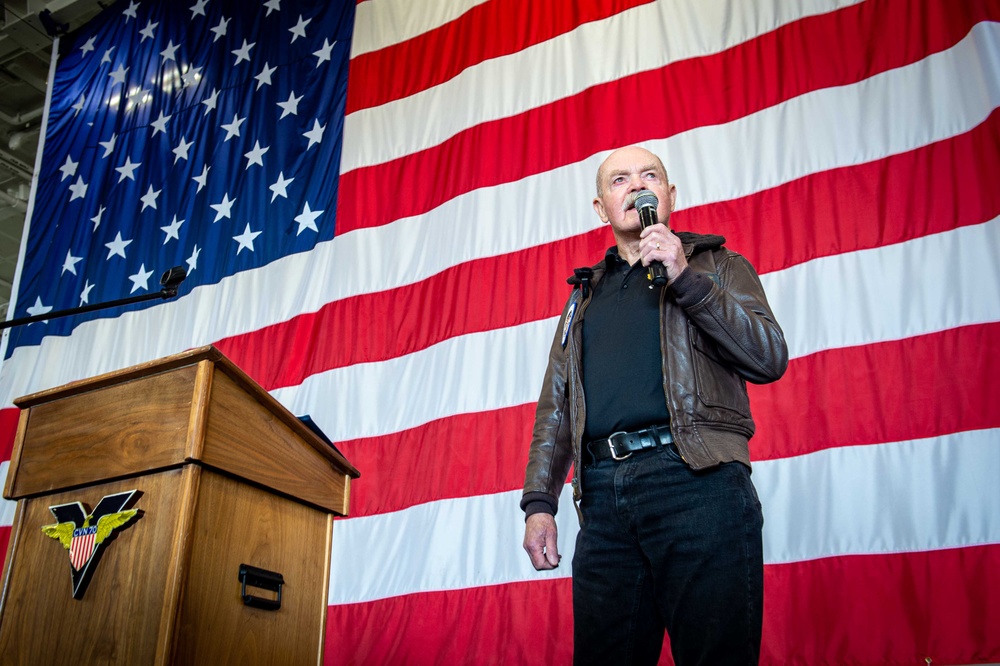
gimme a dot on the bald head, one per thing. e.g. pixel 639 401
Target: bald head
pixel 616 162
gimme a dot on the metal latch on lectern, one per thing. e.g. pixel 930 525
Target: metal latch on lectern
pixel 263 579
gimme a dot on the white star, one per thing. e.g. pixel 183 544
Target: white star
pixel 220 30
pixel 140 279
pixel 272 4
pixel 106 58
pixel 192 76
pixel 172 230
pixel 149 199
pixel 109 145
pixel 118 76
pixel 148 30
pixel 69 168
pixel 198 8
pixel 97 218
pixel 160 124
pixel 233 128
pixel 79 189
pixel 299 29
pixel 307 219
pixel 202 179
pixel 85 294
pixel 88 47
pixel 243 53
pixel 211 101
pixel 192 261
pixel 39 309
pixel 256 155
pixel 181 151
pixel 265 75
pixel 245 239
pixel 280 188
pixel 170 53
pixel 127 170
pixel 130 12
pixel 136 97
pixel 223 208
pixel 315 135
pixel 70 263
pixel 291 106
pixel 78 107
pixel 324 53
pixel 117 246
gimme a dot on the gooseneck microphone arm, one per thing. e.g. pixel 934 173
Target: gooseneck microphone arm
pixel 169 281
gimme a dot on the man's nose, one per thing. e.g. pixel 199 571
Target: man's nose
pixel 635 183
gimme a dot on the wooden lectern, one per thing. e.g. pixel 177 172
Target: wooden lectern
pixel 235 507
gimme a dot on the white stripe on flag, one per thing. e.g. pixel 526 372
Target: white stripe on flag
pixel 925 285
pixel 668 31
pixel 887 114
pixel 887 498
pixel 918 495
pixel 922 286
pixel 382 23
pixel 7 506
pixel 468 373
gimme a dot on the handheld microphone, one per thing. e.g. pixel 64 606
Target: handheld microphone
pixel 645 204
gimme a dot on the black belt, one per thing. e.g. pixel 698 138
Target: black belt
pixel 621 445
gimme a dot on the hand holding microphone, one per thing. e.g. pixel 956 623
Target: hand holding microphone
pixel 645 204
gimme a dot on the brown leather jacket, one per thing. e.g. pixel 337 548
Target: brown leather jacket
pixel 716 333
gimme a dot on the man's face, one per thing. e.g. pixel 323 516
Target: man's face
pixel 629 170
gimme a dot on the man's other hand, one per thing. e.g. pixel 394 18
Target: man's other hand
pixel 540 541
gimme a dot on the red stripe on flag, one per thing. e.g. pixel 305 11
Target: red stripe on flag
pixel 918 387
pixel 937 389
pixel 490 30
pixel 949 604
pixel 939 187
pixel 891 609
pixel 519 623
pixel 869 38
pixel 436 462
pixel 936 188
pixel 8 431
pixel 532 286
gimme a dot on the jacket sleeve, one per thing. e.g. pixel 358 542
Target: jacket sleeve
pixel 551 451
pixel 736 317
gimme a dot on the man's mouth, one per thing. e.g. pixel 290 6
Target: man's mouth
pixel 630 200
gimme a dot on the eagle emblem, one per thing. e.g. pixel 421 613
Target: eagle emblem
pixel 83 534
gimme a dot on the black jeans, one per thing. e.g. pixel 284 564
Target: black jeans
pixel 665 547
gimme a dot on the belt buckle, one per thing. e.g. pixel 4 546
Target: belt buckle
pixel 611 446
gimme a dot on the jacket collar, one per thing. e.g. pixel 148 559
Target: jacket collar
pixel 692 242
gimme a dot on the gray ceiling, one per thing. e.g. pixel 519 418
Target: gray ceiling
pixel 25 54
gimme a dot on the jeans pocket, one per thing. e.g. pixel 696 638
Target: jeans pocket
pixel 669 452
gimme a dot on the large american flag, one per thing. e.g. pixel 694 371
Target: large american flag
pixel 380 204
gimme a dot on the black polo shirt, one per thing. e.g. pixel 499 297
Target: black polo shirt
pixel 622 365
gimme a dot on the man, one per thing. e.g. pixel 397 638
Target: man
pixel 645 397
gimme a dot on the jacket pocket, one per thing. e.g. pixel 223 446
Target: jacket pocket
pixel 717 386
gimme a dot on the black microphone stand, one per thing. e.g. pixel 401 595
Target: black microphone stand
pixel 170 280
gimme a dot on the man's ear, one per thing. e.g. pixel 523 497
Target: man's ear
pixel 599 209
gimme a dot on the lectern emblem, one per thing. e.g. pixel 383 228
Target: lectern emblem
pixel 83 534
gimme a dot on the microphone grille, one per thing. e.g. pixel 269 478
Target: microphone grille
pixel 646 199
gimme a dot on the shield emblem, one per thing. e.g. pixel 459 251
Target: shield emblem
pixel 82 546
